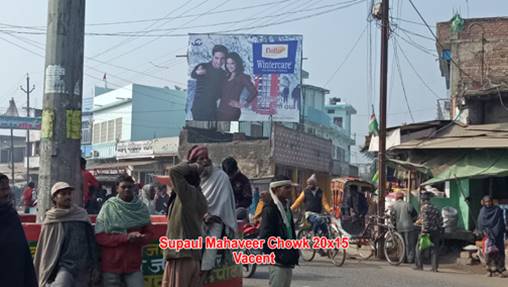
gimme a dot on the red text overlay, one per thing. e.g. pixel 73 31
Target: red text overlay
pixel 242 245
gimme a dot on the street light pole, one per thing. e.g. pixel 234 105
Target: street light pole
pixel 28 91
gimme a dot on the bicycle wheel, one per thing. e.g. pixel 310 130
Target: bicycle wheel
pixel 338 255
pixel 307 254
pixel 248 269
pixel 364 249
pixel 394 248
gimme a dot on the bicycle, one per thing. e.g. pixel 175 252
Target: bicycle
pixel 337 255
pixel 393 243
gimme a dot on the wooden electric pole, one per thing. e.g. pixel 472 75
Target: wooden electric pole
pixel 28 91
pixel 385 28
pixel 61 117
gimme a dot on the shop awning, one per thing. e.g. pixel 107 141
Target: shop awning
pixel 475 164
pixel 121 164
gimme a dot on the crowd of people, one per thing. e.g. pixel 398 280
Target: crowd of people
pixel 205 200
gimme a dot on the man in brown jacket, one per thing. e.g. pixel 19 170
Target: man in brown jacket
pixel 186 213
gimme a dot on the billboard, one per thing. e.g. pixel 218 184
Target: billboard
pixel 244 77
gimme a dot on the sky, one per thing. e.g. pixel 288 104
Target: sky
pixel 338 37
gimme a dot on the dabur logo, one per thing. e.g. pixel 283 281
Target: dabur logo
pixel 274 51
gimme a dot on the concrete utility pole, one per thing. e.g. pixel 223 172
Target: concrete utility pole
pixel 61 116
pixel 27 91
pixel 385 28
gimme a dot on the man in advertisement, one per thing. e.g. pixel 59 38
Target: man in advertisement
pixel 209 81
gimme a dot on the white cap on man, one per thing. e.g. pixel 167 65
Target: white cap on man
pixel 312 179
pixel 60 186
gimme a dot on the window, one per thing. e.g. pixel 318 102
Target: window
pixel 340 154
pixel 118 133
pixel 256 130
pixel 338 122
pixel 86 132
pixel 96 133
pixel 111 131
pixel 331 111
pixel 104 132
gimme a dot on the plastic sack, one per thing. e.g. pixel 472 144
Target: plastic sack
pixel 424 242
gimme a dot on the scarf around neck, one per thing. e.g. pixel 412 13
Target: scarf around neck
pixel 282 210
pixel 75 213
pixel 117 216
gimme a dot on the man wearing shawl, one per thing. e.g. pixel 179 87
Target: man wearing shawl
pixel 185 222
pixel 277 221
pixel 65 254
pixel 492 225
pixel 16 267
pixel 122 228
pixel 215 185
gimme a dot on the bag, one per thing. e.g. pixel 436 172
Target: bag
pixel 424 242
pixel 488 246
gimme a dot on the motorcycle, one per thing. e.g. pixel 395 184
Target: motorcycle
pixel 250 231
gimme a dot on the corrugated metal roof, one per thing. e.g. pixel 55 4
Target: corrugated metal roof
pixel 462 137
pixel 455 143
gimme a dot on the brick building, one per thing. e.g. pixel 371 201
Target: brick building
pixel 286 151
pixel 474 62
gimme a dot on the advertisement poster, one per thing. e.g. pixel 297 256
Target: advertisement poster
pixel 244 77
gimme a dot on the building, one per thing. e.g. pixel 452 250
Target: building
pixel 87 122
pixel 264 149
pixel 330 121
pixel 129 124
pixel 340 116
pixel 286 151
pixel 465 162
pixel 474 63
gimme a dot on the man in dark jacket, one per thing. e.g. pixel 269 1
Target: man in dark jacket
pixel 277 221
pixel 209 79
pixel 431 223
pixel 16 268
pixel 241 186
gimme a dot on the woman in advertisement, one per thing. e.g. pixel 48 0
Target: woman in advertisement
pixel 237 81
